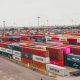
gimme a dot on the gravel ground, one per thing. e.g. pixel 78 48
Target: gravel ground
pixel 12 71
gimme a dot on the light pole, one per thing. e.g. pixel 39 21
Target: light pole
pixel 47 22
pixel 4 26
pixel 38 22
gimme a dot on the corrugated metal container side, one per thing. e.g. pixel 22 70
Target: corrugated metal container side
pixel 73 43
pixel 9 46
pixel 9 51
pixel 26 55
pixel 73 58
pixel 78 40
pixel 72 40
pixel 27 61
pixel 41 59
pixel 15 57
pixel 3 49
pixel 73 64
pixel 42 40
pixel 2 45
pixel 57 69
pixel 56 53
pixel 57 62
pixel 55 39
pixel 17 53
pixel 62 38
pixel 56 56
pixel 6 52
pixel 17 48
pixel 39 52
pixel 39 65
pixel 5 39
pixel 75 50
pixel 14 39
pixel 38 36
pixel 66 50
pixel 26 50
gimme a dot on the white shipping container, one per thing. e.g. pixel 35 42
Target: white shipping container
pixel 62 38
pixel 0 48
pixel 57 70
pixel 15 57
pixel 39 47
pixel 41 59
pixel 3 49
pixel 48 38
pixel 9 51
pixel 78 40
pixel 17 53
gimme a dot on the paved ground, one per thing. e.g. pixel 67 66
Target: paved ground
pixel 12 71
pixel 68 78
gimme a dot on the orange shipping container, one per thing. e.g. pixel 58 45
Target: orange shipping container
pixel 39 65
pixel 26 61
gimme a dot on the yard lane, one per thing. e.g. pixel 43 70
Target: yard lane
pixel 12 71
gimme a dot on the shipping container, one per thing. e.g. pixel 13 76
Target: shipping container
pixel 73 58
pixel 73 43
pixel 14 39
pixel 2 45
pixel 62 38
pixel 39 65
pixel 27 61
pixel 38 52
pixel 56 53
pixel 57 70
pixel 41 59
pixel 73 64
pixel 27 55
pixel 48 38
pixel 16 47
pixel 55 38
pixel 56 56
pixel 42 40
pixel 16 57
pixel 26 50
pixel 72 40
pixel 75 50
pixel 17 53
pixel 9 46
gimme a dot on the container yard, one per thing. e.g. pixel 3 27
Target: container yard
pixel 54 55
pixel 39 40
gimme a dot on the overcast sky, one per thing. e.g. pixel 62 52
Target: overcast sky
pixel 25 12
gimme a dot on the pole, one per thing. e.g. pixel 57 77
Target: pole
pixel 4 26
pixel 38 20
pixel 47 23
pixel 38 23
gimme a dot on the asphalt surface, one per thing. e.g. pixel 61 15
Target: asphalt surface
pixel 12 71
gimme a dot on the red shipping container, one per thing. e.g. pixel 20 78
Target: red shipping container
pixel 55 39
pixel 26 61
pixel 39 52
pixel 78 44
pixel 72 40
pixel 75 50
pixel 3 45
pixel 38 36
pixel 5 39
pixel 56 53
pixel 26 50
pixel 39 65
pixel 57 62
